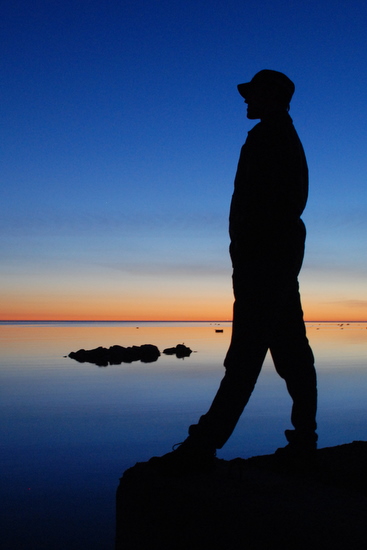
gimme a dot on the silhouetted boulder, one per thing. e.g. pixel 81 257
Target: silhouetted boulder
pixel 97 356
pixel 148 353
pixel 180 351
pixel 115 355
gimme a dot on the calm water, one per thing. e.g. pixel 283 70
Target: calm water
pixel 69 430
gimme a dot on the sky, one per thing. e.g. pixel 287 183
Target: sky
pixel 121 130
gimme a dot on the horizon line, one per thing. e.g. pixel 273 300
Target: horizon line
pixel 158 321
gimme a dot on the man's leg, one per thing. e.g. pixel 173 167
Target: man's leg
pixel 245 356
pixel 294 362
pixel 243 364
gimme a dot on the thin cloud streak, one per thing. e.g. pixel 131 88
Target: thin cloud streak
pixel 174 269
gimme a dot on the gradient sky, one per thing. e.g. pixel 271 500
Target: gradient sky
pixel 121 131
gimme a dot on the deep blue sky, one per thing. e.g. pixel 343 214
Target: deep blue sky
pixel 121 130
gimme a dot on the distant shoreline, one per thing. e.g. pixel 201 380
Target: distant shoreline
pixel 137 321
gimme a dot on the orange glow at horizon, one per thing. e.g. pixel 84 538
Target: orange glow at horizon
pixel 99 309
pixel 219 308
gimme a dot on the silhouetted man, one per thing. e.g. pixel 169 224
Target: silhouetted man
pixel 267 248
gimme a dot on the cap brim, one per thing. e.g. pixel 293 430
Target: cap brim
pixel 244 89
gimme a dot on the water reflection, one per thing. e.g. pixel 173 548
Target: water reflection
pixel 69 429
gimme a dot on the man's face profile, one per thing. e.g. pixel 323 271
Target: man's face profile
pixel 254 108
pixel 262 102
pixel 257 103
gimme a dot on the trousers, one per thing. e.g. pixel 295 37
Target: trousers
pixel 267 315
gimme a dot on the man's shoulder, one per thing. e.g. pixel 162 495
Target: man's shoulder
pixel 260 134
pixel 257 132
pixel 273 128
pixel 256 129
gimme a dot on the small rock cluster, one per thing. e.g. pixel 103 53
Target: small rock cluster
pixel 115 355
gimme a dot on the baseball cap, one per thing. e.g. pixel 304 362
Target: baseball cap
pixel 271 80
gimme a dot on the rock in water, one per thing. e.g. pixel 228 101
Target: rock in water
pixel 180 351
pixel 115 355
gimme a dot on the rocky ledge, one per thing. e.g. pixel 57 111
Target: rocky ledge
pixel 260 503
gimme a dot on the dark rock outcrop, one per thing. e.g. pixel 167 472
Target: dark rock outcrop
pixel 260 503
pixel 180 351
pixel 115 355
